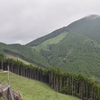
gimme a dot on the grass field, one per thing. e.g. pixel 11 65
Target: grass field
pixel 32 89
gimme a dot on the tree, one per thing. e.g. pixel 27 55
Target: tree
pixel 1 59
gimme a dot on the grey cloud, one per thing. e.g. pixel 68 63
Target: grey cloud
pixel 22 21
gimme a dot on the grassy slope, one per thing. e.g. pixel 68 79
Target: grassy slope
pixel 17 58
pixel 54 40
pixel 32 89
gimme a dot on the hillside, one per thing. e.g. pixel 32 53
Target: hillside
pixel 32 89
pixel 44 38
pixel 74 48
pixel 23 52
pixel 88 26
pixel 78 49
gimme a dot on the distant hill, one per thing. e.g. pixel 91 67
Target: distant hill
pixel 74 48
pixel 23 52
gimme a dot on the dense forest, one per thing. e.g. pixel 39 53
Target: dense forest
pixel 67 83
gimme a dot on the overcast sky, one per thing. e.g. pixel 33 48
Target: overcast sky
pixel 22 21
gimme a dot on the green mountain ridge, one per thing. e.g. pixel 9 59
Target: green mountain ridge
pixel 88 26
pixel 75 48
pixel 46 37
pixel 23 52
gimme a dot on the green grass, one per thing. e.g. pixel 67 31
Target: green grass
pixel 32 89
pixel 54 40
pixel 1 99
pixel 17 58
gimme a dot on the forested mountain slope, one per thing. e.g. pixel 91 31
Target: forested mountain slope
pixel 75 48
pixel 88 26
pixel 23 52
pixel 46 37
pixel 77 51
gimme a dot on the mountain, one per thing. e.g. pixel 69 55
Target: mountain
pixel 88 26
pixel 75 48
pixel 46 37
pixel 23 52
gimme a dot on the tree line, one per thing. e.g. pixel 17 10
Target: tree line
pixel 67 83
